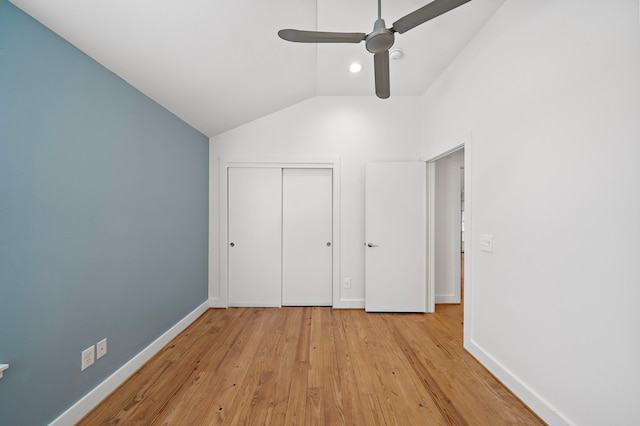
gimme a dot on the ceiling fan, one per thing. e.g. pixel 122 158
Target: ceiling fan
pixel 378 41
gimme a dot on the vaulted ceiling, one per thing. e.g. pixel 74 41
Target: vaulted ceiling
pixel 220 64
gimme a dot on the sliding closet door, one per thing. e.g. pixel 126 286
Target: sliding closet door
pixel 307 246
pixel 255 236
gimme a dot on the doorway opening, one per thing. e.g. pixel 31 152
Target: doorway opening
pixel 448 230
pixel 448 237
pixel 459 313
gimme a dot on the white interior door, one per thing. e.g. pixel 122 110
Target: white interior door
pixel 396 237
pixel 307 228
pixel 255 236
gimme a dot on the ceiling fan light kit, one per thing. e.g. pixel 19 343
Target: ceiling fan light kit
pixel 378 41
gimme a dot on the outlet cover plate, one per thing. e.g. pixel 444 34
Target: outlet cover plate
pixel 347 283
pixel 101 348
pixel 88 357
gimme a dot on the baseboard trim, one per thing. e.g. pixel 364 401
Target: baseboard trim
pixel 216 302
pixel 349 304
pixel 534 401
pixel 447 298
pixel 255 305
pixel 80 409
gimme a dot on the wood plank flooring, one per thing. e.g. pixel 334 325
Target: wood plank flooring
pixel 314 365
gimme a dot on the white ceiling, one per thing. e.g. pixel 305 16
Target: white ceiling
pixel 220 64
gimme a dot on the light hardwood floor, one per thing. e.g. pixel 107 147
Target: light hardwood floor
pixel 314 365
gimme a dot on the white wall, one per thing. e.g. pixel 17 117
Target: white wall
pixel 447 227
pixel 356 129
pixel 550 91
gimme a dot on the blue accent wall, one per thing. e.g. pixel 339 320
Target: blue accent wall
pixel 103 220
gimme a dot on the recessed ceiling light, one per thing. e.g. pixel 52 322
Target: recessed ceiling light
pixel 355 67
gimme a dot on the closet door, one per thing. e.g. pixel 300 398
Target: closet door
pixel 255 236
pixel 307 246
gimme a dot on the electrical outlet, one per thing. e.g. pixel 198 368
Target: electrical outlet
pixel 347 283
pixel 101 348
pixel 88 357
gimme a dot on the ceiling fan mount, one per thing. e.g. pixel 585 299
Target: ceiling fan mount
pixel 378 41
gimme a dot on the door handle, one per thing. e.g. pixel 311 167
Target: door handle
pixel 372 245
pixel 232 244
pixel 329 244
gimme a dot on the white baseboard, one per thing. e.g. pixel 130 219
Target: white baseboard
pixel 256 305
pixel 80 409
pixel 447 298
pixel 216 302
pixel 303 303
pixel 349 304
pixel 534 401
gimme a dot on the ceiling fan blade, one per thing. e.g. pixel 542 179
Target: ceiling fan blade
pixel 299 36
pixel 381 70
pixel 425 13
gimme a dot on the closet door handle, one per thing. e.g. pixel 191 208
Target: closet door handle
pixel 328 243
pixel 372 245
pixel 232 244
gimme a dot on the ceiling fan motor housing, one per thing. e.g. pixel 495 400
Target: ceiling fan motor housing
pixel 380 39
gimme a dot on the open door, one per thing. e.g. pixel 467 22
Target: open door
pixel 396 237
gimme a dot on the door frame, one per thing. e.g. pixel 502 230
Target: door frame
pixel 283 163
pixel 463 141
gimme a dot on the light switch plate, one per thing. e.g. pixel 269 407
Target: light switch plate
pixel 486 243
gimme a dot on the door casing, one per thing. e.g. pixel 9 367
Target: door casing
pixel 463 141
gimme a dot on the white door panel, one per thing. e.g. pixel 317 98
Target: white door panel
pixel 307 237
pixel 255 236
pixel 395 229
